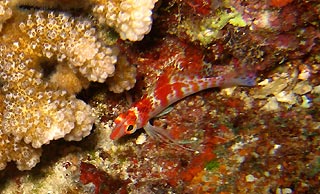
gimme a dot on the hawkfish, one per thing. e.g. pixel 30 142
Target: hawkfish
pixel 168 89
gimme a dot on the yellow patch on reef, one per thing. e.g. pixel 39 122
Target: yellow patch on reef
pixel 208 28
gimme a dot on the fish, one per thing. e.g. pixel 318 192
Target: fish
pixel 168 89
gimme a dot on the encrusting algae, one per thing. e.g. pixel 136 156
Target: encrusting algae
pixel 46 58
pixel 261 139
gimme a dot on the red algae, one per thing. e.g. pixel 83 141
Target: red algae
pixel 280 3
pixel 103 183
pixel 245 139
pixel 197 164
pixel 202 7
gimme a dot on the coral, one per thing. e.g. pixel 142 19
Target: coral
pixel 59 35
pixel 54 179
pixel 47 58
pixel 131 19
pixel 5 12
pixel 65 79
pixel 36 113
pixel 124 78
pixel 53 4
pixel 23 154
pixel 35 108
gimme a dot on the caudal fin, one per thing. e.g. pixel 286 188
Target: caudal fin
pixel 240 79
pixel 246 79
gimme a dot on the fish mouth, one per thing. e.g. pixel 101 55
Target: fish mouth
pixel 117 133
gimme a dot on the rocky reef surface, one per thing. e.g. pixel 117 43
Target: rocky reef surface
pixel 68 68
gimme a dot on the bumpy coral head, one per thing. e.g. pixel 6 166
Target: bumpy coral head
pixel 126 123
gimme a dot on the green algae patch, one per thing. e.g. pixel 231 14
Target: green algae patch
pixel 212 165
pixel 208 29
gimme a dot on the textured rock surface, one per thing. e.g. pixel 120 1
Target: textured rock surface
pixel 261 139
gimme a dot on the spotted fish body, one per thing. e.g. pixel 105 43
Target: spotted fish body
pixel 168 90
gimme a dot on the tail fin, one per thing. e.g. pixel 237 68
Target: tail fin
pixel 246 79
pixel 240 79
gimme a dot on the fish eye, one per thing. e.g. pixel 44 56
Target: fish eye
pixel 130 127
